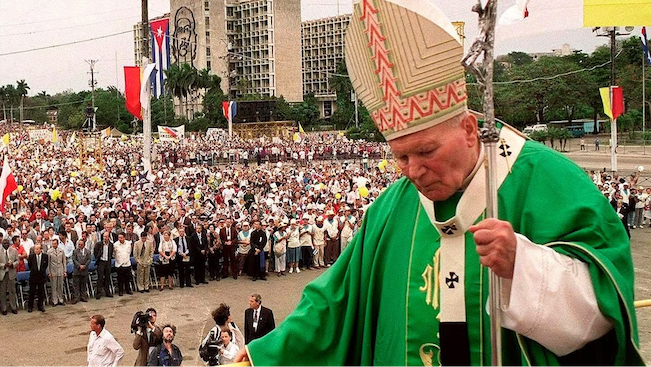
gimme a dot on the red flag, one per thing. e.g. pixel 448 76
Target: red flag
pixel 132 90
pixel 7 182
pixel 618 102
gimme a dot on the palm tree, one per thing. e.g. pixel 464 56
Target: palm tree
pixel 173 82
pixel 3 99
pixel 22 88
pixel 12 99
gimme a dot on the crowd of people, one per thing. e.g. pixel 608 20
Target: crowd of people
pixel 188 220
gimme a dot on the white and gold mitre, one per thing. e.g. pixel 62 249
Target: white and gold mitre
pixel 404 61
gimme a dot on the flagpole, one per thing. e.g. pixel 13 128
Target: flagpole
pixel 146 120
pixel 613 125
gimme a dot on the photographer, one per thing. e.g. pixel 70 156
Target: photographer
pixel 210 347
pixel 148 335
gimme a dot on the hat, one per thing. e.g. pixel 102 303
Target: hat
pixel 245 224
pixel 330 212
pixel 293 221
pixel 319 219
pixel 411 78
pixel 306 216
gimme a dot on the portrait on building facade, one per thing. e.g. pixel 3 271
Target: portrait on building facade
pixel 184 45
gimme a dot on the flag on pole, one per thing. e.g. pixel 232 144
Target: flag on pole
pixel 645 46
pixel 515 13
pixel 300 128
pixel 132 90
pixel 616 108
pixel 55 135
pixel 230 110
pixel 160 53
pixel 616 13
pixel 5 140
pixel 136 93
pixel 7 182
pixel 106 132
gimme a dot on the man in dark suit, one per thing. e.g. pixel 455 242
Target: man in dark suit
pixel 183 258
pixel 258 242
pixel 258 320
pixel 37 277
pixel 199 248
pixel 228 236
pixel 81 259
pixel 103 253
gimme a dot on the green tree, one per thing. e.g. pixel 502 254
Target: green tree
pixel 21 89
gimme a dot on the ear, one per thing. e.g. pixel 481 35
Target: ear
pixel 469 125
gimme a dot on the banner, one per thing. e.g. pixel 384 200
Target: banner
pixel 616 13
pixel 615 109
pixel 38 134
pixel 167 133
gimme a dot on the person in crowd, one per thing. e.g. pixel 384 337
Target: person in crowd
pixel 183 258
pixel 319 242
pixel 122 251
pixel 228 237
pixel 214 252
pixel 8 265
pixel 102 348
pixel 293 246
pixel 199 247
pixel 57 272
pixel 38 262
pixel 167 252
pixel 229 350
pixel 243 249
pixel 81 259
pixel 143 253
pixel 258 320
pixel 306 238
pixel 222 317
pixel 258 243
pixel 426 238
pixel 331 250
pixel 280 248
pixel 103 253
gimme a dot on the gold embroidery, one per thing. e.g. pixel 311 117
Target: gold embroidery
pixel 431 280
pixel 427 356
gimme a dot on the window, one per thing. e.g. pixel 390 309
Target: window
pixel 327 108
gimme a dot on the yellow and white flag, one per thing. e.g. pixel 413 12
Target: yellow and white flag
pixel 106 132
pixel 55 135
pixel 5 140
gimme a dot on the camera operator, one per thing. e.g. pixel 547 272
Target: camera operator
pixel 148 335
pixel 228 350
pixel 166 353
pixel 210 347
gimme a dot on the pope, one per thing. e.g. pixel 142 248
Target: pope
pixel 412 286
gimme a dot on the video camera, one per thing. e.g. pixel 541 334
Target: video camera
pixel 140 321
pixel 210 352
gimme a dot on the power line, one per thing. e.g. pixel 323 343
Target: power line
pixel 62 28
pixel 64 44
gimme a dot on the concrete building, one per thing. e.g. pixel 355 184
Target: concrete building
pixel 323 50
pixel 565 50
pixel 253 45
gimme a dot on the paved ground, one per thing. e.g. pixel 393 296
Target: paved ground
pixel 59 336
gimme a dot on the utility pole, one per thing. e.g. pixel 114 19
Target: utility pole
pixel 92 124
pixel 145 29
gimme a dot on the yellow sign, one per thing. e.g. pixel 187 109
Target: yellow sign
pixel 616 13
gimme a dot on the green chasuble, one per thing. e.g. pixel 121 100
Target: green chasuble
pixel 379 303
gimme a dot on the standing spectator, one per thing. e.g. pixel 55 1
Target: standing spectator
pixel 596 144
pixel 57 271
pixel 183 258
pixel 319 242
pixel 214 253
pixel 103 253
pixel 293 246
pixel 166 353
pixel 228 236
pixel 243 248
pixel 8 265
pixel 280 248
pixel 199 246
pixel 103 349
pixel 37 278
pixel 81 259
pixel 331 251
pixel 258 243
pixel 122 253
pixel 167 252
pixel 143 252
pixel 582 143
pixel 306 239
pixel 347 225
pixel 258 320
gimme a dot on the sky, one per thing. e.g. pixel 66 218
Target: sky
pixel 41 24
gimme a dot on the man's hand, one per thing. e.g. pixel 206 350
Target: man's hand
pixel 241 356
pixel 496 245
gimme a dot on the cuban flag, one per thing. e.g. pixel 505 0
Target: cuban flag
pixel 160 53
pixel 645 46
pixel 230 110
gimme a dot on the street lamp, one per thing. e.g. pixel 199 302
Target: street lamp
pixel 612 32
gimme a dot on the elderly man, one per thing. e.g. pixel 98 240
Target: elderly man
pixel 412 288
pixel 81 259
pixel 8 265
pixel 57 271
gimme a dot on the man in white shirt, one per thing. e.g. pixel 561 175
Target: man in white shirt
pixel 122 253
pixel 228 352
pixel 103 349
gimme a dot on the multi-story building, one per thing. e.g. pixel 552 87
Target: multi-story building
pixel 253 45
pixel 323 49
